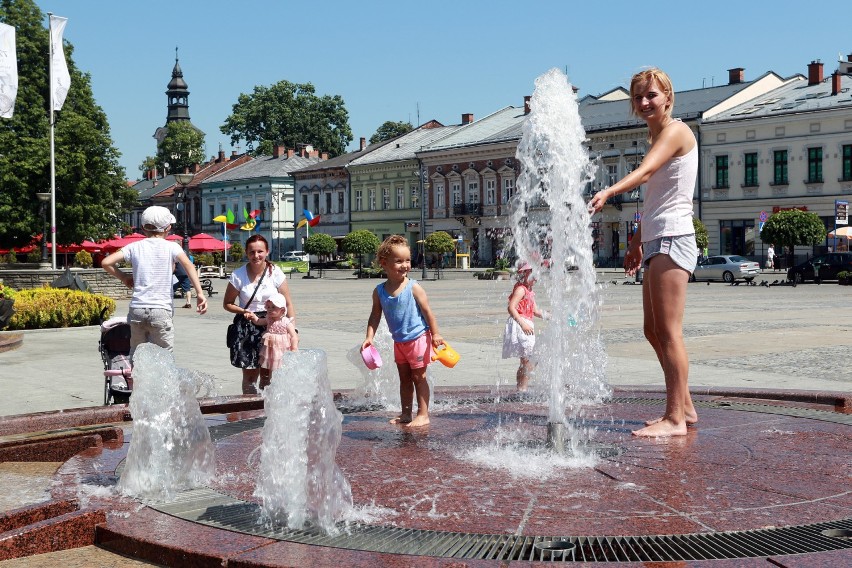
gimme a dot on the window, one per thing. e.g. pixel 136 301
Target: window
pixel 400 198
pixel 456 193
pixel 721 172
pixel 328 202
pixel 508 189
pixel 358 201
pixel 340 202
pixel 439 195
pixel 780 167
pixel 490 191
pixel 212 209
pixel 750 170
pixel 385 198
pixel 814 165
pixel 316 203
pixel 736 237
pixel 248 206
pixel 415 197
pixel 372 204
pixel 611 174
pixel 222 208
pixel 304 201
pixel 473 191
pixel 847 162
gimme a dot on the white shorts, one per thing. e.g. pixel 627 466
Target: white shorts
pixel 516 343
pixel 681 249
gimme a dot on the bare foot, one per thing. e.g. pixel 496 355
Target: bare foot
pixel 663 428
pixel 400 420
pixel 691 419
pixel 419 421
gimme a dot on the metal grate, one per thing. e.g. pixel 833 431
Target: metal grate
pixel 215 509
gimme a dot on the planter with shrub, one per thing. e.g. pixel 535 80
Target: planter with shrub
pixel 41 308
pixel 844 278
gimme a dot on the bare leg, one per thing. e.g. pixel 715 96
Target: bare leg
pixel 690 414
pixel 188 296
pixel 421 387
pixel 265 378
pixel 250 377
pixel 523 375
pixel 406 394
pixel 664 296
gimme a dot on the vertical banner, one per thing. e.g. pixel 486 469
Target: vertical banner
pixel 8 71
pixel 841 212
pixel 60 79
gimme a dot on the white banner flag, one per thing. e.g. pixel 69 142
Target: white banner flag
pixel 8 71
pixel 61 78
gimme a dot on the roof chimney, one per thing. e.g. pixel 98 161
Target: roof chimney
pixel 735 75
pixel 835 83
pixel 278 151
pixel 814 72
pixel 363 143
pixel 467 118
pixel 324 156
pixel 233 154
pixel 527 104
pixel 290 152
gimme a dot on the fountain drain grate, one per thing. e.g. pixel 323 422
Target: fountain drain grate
pixel 217 510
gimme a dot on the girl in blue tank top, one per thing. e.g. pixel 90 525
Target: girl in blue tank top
pixel 412 325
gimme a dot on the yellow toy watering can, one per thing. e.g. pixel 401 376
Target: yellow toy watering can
pixel 446 355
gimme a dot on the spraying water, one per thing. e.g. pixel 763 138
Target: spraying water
pixel 550 227
pixel 171 449
pixel 299 481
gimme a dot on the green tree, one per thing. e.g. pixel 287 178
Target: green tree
pixel 390 129
pixel 91 194
pixel 182 147
pixel 360 242
pixel 702 239
pixel 236 251
pixel 290 114
pixel 439 242
pixel 793 227
pixel 320 245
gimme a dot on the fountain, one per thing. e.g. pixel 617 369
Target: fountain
pixel 171 449
pixel 550 227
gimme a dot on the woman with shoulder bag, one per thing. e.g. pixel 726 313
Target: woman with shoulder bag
pixel 248 289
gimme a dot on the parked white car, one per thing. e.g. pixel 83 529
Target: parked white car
pixel 726 267
pixel 295 256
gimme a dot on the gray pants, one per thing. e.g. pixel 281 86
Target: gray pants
pixel 150 325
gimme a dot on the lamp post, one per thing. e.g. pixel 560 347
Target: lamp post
pixel 44 198
pixel 421 173
pixel 183 180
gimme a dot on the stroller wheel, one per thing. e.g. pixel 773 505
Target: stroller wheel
pixel 106 392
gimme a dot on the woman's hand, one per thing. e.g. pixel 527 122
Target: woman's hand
pixel 598 200
pixel 633 259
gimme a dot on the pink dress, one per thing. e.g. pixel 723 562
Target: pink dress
pixel 273 344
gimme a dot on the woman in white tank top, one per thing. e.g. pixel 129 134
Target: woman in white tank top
pixel 664 242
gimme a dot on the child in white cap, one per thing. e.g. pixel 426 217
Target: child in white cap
pixel 153 261
pixel 280 334
pixel 519 335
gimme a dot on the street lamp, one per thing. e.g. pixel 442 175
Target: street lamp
pixel 44 198
pixel 183 180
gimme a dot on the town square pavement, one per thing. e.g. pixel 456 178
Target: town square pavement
pixel 765 337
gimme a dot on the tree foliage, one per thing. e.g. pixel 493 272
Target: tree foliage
pixel 182 147
pixel 391 129
pixel 440 241
pixel 702 239
pixel 321 245
pixel 360 242
pixel 793 227
pixel 290 114
pixel 91 194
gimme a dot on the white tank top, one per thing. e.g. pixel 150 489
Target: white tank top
pixel 668 201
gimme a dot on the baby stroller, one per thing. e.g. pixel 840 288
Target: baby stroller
pixel 114 346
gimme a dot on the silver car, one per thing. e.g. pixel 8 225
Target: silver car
pixel 727 267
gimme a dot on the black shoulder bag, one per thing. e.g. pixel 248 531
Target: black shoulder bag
pixel 243 337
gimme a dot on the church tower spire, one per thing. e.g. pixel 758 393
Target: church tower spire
pixel 177 93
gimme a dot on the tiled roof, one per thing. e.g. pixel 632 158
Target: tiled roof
pixel 149 188
pixel 795 96
pixel 480 130
pixel 342 160
pixel 263 167
pixel 403 147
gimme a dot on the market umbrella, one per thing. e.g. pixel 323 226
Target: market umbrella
pixel 116 243
pixel 202 242
pixel 845 232
pixel 175 238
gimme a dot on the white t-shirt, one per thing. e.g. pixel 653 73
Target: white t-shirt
pixel 668 199
pixel 153 260
pixel 240 280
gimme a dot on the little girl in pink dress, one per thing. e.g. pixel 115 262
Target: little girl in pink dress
pixel 280 334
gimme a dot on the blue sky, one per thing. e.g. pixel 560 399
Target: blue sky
pixel 449 57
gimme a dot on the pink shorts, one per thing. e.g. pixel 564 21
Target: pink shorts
pixel 416 353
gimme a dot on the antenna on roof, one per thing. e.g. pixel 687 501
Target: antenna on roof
pixel 418 114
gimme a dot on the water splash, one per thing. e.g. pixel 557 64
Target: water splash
pixel 551 231
pixel 299 481
pixel 171 449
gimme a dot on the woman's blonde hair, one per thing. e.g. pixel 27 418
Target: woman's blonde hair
pixel 643 78
pixel 386 248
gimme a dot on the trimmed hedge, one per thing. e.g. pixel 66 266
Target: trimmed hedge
pixel 49 308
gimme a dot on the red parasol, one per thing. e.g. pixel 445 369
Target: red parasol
pixel 202 242
pixel 116 243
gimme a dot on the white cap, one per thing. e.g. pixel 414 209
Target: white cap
pixel 278 300
pixel 156 218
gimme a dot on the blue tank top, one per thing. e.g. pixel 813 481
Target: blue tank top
pixel 405 320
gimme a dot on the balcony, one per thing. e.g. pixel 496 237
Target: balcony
pixel 467 209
